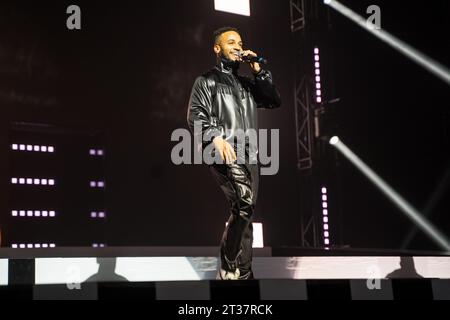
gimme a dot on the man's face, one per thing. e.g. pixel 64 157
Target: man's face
pixel 228 45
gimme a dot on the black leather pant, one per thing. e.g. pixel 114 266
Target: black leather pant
pixel 239 182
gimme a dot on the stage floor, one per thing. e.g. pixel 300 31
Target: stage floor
pixel 142 264
pixel 189 273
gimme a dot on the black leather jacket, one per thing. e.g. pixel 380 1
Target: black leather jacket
pixel 223 102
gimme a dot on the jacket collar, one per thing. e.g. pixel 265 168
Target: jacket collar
pixel 226 66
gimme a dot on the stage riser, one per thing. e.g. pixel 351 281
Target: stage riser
pixel 42 271
pixel 251 290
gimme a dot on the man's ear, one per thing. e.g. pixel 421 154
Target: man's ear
pixel 216 48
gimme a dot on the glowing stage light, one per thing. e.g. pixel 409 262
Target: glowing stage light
pixel 421 59
pixel 241 7
pixel 417 218
pixel 334 140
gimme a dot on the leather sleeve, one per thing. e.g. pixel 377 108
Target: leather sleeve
pixel 200 111
pixel 264 91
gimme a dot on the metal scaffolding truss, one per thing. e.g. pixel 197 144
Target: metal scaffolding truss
pixel 303 122
pixel 304 16
pixel 297 15
pixel 302 92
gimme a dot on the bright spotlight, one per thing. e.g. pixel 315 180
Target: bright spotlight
pixel 241 7
pixel 417 217
pixel 334 140
pixel 418 57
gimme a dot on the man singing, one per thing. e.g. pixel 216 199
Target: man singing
pixel 223 103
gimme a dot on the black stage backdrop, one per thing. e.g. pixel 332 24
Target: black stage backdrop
pixel 129 72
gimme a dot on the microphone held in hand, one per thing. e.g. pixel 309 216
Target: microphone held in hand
pixel 249 58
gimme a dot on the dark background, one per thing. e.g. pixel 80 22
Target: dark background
pixel 129 71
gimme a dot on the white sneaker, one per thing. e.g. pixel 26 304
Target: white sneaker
pixel 228 275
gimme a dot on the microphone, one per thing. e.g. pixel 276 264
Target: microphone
pixel 260 60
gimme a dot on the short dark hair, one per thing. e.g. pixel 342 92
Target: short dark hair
pixel 221 31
